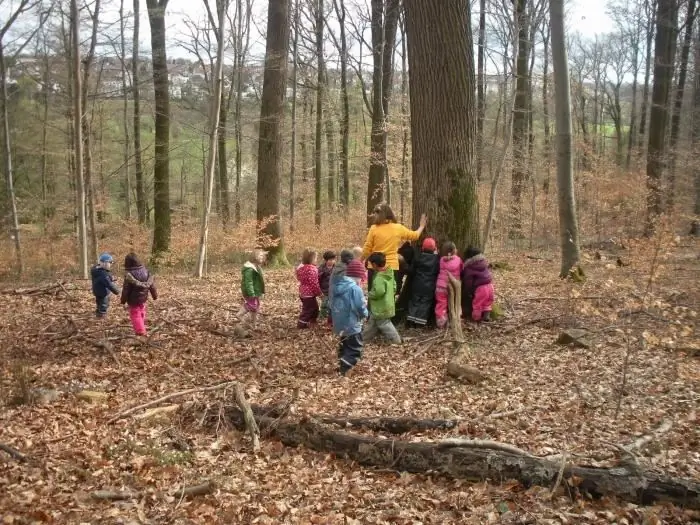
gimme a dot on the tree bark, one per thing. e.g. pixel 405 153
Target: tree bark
pixel 270 147
pixel 678 105
pixel 480 95
pixel 695 138
pixel 214 131
pixel 345 96
pixel 650 11
pixel 545 109
pixel 293 146
pixel 161 165
pixel 222 157
pixel 443 118
pixel 125 115
pixel 318 142
pixel 78 138
pixel 568 223
pixel 664 55
pixel 136 93
pixel 520 122
pixel 404 121
pixel 238 128
pixel 331 150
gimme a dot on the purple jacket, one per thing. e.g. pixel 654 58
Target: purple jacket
pixel 476 273
pixel 448 266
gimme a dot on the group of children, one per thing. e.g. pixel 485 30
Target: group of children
pixel 424 293
pixel 138 284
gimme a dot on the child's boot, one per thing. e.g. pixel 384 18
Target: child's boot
pixel 486 317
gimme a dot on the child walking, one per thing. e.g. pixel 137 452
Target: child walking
pixel 138 283
pixel 477 285
pixel 424 273
pixel 103 284
pixel 309 289
pixel 252 287
pixel 381 299
pixel 325 270
pixel 348 310
pixel 450 264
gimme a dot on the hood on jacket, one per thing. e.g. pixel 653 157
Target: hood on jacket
pixel 342 286
pixel 139 277
pixel 476 262
pixel 249 264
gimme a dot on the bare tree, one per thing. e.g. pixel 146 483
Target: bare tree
pixel 319 113
pixel 125 94
pixel 695 137
pixel 214 116
pixel 136 93
pixel 616 67
pixel 650 17
pixel 339 6
pixel 293 146
pixel 568 224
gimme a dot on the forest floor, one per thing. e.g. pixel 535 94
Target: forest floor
pixel 59 391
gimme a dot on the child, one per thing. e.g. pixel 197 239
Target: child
pixel 424 273
pixel 138 282
pixel 103 284
pixel 357 254
pixel 324 281
pixel 477 284
pixel 348 310
pixel 450 264
pixel 338 272
pixel 381 298
pixel 252 287
pixel 309 289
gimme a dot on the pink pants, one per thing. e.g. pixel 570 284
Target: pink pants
pixel 138 318
pixel 483 301
pixel 441 301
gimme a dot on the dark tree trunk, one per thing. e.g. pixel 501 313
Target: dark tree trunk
pixel 678 104
pixel 664 56
pixel 222 158
pixel 443 118
pixel 520 122
pixel 271 145
pixel 161 165
pixel 293 145
pixel 545 110
pixel 345 96
pixel 318 165
pixel 695 138
pixel 650 9
pixel 480 95
pixel 136 90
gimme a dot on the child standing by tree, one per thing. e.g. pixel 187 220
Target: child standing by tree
pixel 103 284
pixel 348 309
pixel 381 299
pixel 477 285
pixel 450 264
pixel 424 272
pixel 252 287
pixel 138 283
pixel 309 289
pixel 324 281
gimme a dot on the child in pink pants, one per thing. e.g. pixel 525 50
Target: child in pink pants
pixel 138 283
pixel 477 285
pixel 450 264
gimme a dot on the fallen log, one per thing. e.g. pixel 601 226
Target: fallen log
pixel 400 425
pixel 478 463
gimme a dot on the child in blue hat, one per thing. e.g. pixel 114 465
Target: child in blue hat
pixel 103 284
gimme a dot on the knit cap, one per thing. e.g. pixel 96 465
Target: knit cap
pixel 429 245
pixel 355 269
pixel 106 258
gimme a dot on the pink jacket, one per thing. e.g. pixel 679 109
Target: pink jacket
pixel 451 265
pixel 307 275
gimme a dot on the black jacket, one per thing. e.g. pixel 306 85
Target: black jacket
pixel 102 282
pixel 424 272
pixel 138 282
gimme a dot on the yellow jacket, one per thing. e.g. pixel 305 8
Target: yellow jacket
pixel 387 238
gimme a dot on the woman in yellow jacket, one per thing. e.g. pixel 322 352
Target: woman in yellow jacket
pixel 386 236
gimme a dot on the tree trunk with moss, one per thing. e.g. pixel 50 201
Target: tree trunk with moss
pixel 271 145
pixel 443 118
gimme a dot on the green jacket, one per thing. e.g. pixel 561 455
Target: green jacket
pixel 253 284
pixel 382 295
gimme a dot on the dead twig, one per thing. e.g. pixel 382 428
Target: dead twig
pixel 168 397
pixel 13 452
pixel 118 495
pixel 638 443
pixel 481 443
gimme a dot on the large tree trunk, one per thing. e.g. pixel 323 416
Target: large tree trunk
pixel 520 122
pixel 345 96
pixel 568 223
pixel 47 210
pixel 545 108
pixel 271 146
pixel 136 92
pixel 443 118
pixel 214 131
pixel 293 145
pixel 78 138
pixel 125 115
pixel 480 95
pixel 331 150
pixel 678 104
pixel 664 56
pixel 404 121
pixel 318 163
pixel 650 11
pixel 224 190
pixel 7 163
pixel 161 165
pixel 242 50
pixel 695 138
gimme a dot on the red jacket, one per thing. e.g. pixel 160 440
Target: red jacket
pixel 307 275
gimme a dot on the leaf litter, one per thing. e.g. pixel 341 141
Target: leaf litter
pixel 61 384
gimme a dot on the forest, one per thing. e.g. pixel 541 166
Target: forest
pixel 195 135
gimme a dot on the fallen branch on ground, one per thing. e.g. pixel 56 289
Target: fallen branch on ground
pixel 458 366
pixel 248 416
pixel 13 452
pixel 117 495
pixel 47 289
pixel 479 463
pixel 637 444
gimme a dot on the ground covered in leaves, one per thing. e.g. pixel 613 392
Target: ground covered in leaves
pixel 66 375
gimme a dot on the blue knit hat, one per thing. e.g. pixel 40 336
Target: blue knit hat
pixel 106 258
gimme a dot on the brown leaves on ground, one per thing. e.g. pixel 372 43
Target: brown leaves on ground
pixel 547 399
